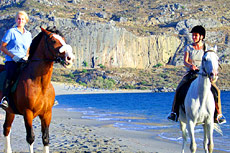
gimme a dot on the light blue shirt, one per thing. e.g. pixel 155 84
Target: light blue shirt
pixel 17 43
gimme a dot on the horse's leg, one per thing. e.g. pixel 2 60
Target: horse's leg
pixel 6 131
pixel 210 128
pixel 45 121
pixel 205 138
pixel 28 118
pixel 191 127
pixel 184 134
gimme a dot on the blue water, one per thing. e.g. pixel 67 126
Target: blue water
pixel 142 111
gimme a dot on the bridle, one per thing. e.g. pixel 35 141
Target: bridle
pixel 204 72
pixel 56 59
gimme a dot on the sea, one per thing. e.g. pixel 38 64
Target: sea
pixel 142 112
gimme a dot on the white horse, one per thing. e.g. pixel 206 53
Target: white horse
pixel 199 103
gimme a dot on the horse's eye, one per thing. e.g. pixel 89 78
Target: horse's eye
pixel 53 40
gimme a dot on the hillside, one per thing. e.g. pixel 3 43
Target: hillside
pixel 126 33
pixel 125 41
pixel 158 79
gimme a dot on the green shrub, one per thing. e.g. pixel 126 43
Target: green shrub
pixel 101 66
pixel 71 75
pixel 127 86
pixel 143 88
pixel 143 83
pixel 114 82
pixel 85 64
pixel 100 82
pixel 82 83
pixel 158 65
pixel 84 71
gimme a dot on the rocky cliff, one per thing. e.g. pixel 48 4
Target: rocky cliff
pixel 109 44
pixel 105 44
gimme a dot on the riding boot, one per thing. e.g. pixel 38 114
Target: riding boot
pixel 175 109
pixel 6 91
pixel 218 117
pixel 176 101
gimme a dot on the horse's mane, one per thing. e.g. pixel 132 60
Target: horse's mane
pixel 37 39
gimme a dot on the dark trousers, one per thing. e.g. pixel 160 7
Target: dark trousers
pixel 182 90
pixel 11 68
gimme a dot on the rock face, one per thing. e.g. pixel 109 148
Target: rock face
pixel 107 45
pixel 98 43
pixel 104 44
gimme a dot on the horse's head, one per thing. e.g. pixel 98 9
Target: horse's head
pixel 210 64
pixel 60 51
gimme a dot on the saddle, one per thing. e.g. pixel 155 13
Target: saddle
pixel 183 92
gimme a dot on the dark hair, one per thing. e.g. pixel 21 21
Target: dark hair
pixel 199 29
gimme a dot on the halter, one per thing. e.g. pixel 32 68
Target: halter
pixel 56 59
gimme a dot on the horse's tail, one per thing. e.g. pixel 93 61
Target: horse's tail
pixel 218 129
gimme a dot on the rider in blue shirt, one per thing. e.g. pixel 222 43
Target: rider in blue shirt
pixel 15 44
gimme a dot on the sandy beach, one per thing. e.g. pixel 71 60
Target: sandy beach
pixel 70 133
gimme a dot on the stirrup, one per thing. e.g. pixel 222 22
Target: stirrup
pixel 4 102
pixel 55 102
pixel 221 117
pixel 172 119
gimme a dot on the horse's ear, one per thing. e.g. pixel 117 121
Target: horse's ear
pixel 215 48
pixel 45 31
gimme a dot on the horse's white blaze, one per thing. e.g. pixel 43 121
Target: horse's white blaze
pixel 62 41
pixel 67 49
pixel 31 148
pixel 7 144
pixel 46 149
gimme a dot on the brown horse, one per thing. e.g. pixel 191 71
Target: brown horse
pixel 35 95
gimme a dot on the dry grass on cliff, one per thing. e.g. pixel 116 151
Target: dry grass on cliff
pixel 127 78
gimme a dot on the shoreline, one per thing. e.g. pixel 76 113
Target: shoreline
pixel 61 88
pixel 66 88
pixel 69 132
